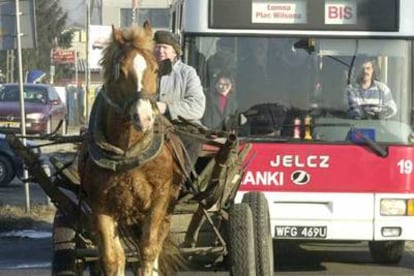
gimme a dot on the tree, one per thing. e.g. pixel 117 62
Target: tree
pixel 50 30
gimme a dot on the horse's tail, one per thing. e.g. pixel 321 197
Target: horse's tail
pixel 171 260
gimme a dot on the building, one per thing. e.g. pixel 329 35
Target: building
pixel 118 12
pixel 156 11
pixel 103 14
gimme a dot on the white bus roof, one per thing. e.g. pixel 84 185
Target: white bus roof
pixel 197 18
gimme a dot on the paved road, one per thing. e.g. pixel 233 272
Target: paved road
pixel 291 259
pixel 14 194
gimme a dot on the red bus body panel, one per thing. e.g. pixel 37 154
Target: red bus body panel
pixel 274 167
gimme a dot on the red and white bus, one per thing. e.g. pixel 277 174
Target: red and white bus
pixel 325 174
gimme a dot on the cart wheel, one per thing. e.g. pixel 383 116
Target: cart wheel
pixel 64 247
pixel 263 238
pixel 240 241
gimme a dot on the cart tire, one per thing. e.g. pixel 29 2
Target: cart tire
pixel 386 252
pixel 262 234
pixel 240 241
pixel 64 247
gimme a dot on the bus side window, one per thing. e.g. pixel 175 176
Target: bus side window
pixel 222 60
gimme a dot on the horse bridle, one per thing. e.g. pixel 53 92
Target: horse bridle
pixel 123 109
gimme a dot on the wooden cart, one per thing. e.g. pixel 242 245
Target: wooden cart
pixel 210 229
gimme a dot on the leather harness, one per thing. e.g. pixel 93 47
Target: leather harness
pixel 113 158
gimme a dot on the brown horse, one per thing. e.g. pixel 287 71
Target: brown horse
pixel 130 165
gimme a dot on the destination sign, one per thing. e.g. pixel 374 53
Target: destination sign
pixel 350 15
pixel 293 12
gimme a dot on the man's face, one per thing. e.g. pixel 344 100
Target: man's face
pixel 367 71
pixel 164 51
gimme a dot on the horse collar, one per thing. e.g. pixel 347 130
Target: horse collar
pixel 110 157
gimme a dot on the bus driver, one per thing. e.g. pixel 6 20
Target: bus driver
pixel 370 98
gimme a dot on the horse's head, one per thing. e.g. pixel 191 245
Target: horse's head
pixel 130 75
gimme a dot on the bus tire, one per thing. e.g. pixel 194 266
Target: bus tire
pixel 386 252
pixel 64 247
pixel 240 259
pixel 263 237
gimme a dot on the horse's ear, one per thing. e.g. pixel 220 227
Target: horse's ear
pixel 117 35
pixel 147 28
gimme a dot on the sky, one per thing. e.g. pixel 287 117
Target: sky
pixel 76 12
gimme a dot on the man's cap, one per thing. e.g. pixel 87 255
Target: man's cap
pixel 165 37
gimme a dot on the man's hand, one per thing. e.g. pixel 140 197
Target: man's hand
pixel 162 107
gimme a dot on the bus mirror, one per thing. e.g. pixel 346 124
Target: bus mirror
pixel 307 44
pixel 242 119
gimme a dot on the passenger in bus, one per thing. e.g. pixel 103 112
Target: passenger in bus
pixel 370 98
pixel 180 90
pixel 221 105
pixel 222 59
pixel 254 81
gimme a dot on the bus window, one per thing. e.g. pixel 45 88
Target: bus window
pixel 223 59
pixel 265 67
pixel 211 55
pixel 305 79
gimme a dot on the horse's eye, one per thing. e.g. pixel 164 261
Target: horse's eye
pixel 135 117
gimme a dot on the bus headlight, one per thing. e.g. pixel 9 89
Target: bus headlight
pixel 393 207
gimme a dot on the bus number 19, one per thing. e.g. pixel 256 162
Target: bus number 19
pixel 406 166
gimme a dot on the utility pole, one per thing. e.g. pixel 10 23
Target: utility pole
pixel 22 111
pixel 134 10
pixel 87 69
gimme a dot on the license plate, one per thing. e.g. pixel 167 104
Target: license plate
pixel 10 124
pixel 301 232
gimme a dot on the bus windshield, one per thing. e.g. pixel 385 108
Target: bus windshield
pixel 340 83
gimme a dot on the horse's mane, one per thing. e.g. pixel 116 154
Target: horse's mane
pixel 130 37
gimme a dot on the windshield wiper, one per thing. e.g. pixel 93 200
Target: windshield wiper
pixel 378 149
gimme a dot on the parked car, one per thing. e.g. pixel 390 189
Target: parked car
pixel 44 108
pixel 10 163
